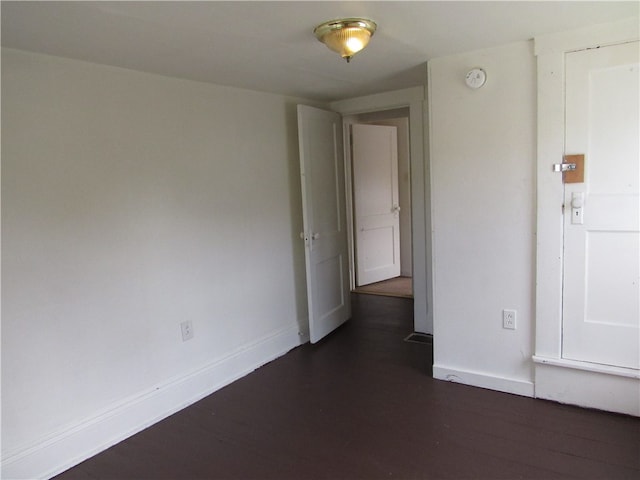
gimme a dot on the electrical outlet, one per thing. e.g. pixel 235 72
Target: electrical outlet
pixel 509 319
pixel 187 330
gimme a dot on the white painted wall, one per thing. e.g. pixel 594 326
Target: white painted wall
pixel 133 202
pixel 482 150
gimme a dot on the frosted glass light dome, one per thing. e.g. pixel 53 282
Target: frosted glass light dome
pixel 346 36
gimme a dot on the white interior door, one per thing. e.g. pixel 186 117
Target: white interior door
pixel 324 216
pixel 601 317
pixel 376 207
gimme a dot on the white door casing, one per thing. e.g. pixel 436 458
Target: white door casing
pixel 376 203
pixel 601 291
pixel 324 218
pixel 576 382
pixel 414 99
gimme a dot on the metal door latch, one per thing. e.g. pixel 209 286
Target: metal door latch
pixel 564 167
pixel 572 168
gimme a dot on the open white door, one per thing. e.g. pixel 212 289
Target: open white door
pixel 324 216
pixel 601 317
pixel 376 208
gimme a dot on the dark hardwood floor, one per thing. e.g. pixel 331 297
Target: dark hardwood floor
pixel 361 404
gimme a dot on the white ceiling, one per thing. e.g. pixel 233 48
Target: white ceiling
pixel 269 46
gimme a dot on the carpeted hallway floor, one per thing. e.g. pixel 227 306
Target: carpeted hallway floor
pixel 394 287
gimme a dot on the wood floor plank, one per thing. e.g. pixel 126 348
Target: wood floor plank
pixel 362 404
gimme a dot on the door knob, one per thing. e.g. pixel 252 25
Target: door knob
pixel 577 210
pixel 577 199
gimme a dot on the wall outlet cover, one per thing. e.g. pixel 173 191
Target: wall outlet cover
pixel 509 319
pixel 187 330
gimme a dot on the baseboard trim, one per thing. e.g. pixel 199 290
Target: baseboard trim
pixel 62 450
pixel 589 367
pixel 586 387
pixel 484 380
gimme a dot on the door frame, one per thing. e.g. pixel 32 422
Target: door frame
pixel 558 379
pixel 413 98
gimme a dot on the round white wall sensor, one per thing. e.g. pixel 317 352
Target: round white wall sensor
pixel 476 78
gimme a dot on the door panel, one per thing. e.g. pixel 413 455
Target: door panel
pixel 375 190
pixel 324 218
pixel 601 296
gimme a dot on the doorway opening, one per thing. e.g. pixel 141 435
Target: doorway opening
pixel 413 100
pixel 378 164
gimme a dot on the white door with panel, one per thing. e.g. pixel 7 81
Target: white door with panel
pixel 324 216
pixel 376 207
pixel 601 317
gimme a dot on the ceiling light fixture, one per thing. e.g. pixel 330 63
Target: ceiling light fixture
pixel 346 36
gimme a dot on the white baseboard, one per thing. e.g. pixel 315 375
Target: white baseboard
pixel 52 455
pixel 565 382
pixel 484 380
